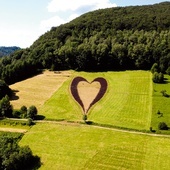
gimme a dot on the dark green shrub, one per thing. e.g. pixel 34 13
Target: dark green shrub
pixel 32 112
pixel 29 122
pixel 158 77
pixel 168 71
pixel 4 89
pixel 154 68
pixel 164 93
pixel 5 107
pixel 16 113
pixel 23 111
pixel 162 126
pixel 85 117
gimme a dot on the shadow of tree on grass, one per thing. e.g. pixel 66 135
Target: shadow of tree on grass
pixel 13 95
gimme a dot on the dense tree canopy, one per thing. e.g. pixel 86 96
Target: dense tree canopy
pixel 14 157
pixel 5 107
pixel 4 89
pixel 119 38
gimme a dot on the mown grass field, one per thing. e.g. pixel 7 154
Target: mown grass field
pixel 127 102
pixel 161 103
pixel 130 102
pixel 85 147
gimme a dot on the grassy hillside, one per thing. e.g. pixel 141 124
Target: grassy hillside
pixel 130 102
pixel 85 147
pixel 127 102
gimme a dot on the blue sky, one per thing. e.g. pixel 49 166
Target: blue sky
pixel 23 21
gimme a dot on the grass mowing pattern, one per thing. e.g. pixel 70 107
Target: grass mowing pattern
pixel 126 103
pixel 61 105
pixel 82 147
pixel 162 104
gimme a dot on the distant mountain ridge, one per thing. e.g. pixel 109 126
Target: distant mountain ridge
pixel 5 51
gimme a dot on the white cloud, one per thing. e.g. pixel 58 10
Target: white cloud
pixel 65 10
pixel 21 37
pixel 54 21
pixel 72 16
pixel 74 5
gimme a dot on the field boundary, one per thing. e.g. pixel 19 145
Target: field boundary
pixel 131 131
pixel 151 98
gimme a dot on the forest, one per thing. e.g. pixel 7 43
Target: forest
pixel 121 38
pixel 14 157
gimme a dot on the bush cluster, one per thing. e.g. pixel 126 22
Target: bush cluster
pixel 6 110
pixel 158 77
pixel 23 112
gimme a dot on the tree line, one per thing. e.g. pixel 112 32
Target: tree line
pixel 4 89
pixel 108 39
pixel 7 110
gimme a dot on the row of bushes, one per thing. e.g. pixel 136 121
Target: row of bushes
pixel 23 112
pixel 12 122
pixel 6 110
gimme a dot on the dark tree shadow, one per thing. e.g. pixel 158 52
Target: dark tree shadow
pixel 13 95
pixel 39 117
pixel 35 163
pixel 166 81
pixel 167 95
pixel 88 122
pixel 159 114
pixel 164 94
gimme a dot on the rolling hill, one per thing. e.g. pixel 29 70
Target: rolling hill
pixel 118 38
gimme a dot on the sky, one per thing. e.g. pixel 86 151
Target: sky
pixel 23 21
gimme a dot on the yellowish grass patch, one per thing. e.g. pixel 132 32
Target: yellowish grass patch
pixel 36 90
pixel 88 92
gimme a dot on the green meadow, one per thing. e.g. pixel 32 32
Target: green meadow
pixel 161 103
pixel 130 102
pixel 82 147
pixel 127 102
